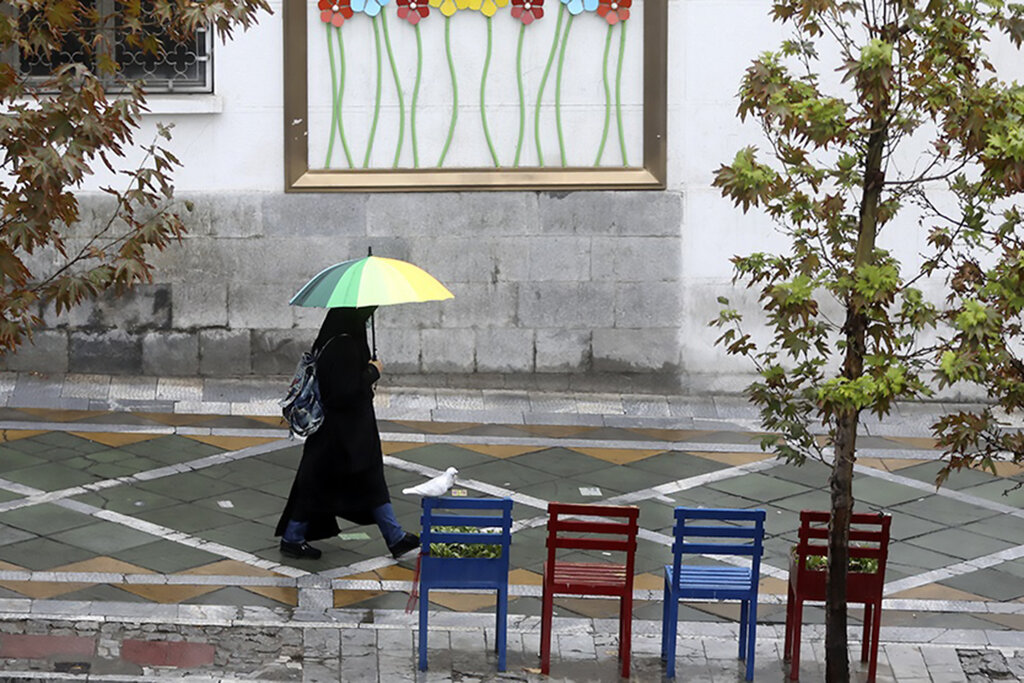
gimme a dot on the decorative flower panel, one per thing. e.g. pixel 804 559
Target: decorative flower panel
pixel 474 94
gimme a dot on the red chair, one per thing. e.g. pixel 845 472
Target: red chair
pixel 614 532
pixel 869 538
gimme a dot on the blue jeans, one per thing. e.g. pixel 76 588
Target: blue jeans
pixel 384 516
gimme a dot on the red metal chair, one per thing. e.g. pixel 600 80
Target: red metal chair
pixel 615 531
pixel 869 538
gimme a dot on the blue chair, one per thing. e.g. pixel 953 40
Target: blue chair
pixel 466 572
pixel 714 532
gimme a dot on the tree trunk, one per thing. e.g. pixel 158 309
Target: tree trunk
pixel 837 664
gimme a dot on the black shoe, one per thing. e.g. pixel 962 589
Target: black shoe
pixel 300 551
pixel 408 542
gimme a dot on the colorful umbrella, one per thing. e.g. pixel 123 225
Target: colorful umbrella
pixel 370 281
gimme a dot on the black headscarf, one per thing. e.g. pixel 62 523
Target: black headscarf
pixel 344 321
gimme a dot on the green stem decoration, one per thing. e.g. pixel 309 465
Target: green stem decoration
pixel 522 95
pixel 398 88
pixel 618 91
pixel 558 89
pixel 334 96
pixel 376 106
pixel 607 97
pixel 455 88
pixel 483 88
pixel 543 82
pixel 415 96
pixel 483 84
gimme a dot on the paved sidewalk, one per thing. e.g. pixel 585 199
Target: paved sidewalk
pixel 136 517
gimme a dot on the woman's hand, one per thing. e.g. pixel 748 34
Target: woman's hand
pixel 377 364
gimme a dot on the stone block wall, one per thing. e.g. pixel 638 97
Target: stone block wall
pixel 552 290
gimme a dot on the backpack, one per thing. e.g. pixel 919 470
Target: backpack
pixel 302 407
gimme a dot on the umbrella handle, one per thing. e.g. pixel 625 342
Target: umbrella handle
pixel 373 336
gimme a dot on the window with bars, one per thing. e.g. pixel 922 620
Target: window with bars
pixel 175 67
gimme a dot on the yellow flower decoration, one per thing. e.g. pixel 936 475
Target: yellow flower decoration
pixel 487 7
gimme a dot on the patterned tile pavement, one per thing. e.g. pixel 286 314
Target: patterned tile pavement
pixel 153 501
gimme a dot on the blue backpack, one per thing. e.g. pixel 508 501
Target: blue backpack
pixel 302 407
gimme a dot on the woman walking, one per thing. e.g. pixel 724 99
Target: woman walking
pixel 342 469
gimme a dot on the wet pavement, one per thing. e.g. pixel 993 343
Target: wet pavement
pixel 137 516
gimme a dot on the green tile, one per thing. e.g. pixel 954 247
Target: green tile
pixel 656 515
pixel 250 472
pixel 8 534
pixel 811 473
pixel 917 559
pixel 186 487
pixel 674 465
pixel 188 518
pixel 906 527
pixel 9 495
pixel 15 460
pixel 111 470
pixel 246 503
pixel 32 446
pixel 102 593
pixel 39 554
pixel 759 487
pixel 45 519
pixel 960 543
pixel 623 479
pixel 702 496
pixel 561 462
pixel 166 556
pixel 564 490
pixel 232 595
pixel 943 510
pixel 927 472
pixel 404 478
pixel 998 491
pixel 809 500
pixel 245 535
pixel 443 456
pixel 505 473
pixel 990 583
pixel 286 457
pixel 332 558
pixel 278 489
pixel 104 537
pixel 881 493
pixel 50 477
pixel 1004 527
pixel 128 500
pixel 171 450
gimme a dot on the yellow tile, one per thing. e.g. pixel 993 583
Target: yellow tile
pixel 8 567
pixel 272 420
pixel 916 441
pixel 499 451
pixel 618 456
pixel 770 584
pixel 894 464
pixel 229 568
pixel 648 581
pixel 115 440
pixel 595 608
pixel 463 602
pixel 42 590
pixel 934 591
pixel 1008 469
pixel 63 415
pixel 103 564
pixel 232 443
pixel 392 447
pixel 524 577
pixel 735 459
pixel 15 434
pixel 1013 621
pixel 168 594
pixel 729 609
pixel 46 589
pixel 394 572
pixel 346 598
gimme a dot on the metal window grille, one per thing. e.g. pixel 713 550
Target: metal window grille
pixel 179 67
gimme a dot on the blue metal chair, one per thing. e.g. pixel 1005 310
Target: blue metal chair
pixel 717 532
pixel 466 572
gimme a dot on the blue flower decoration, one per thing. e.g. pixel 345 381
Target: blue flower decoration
pixel 574 6
pixel 372 7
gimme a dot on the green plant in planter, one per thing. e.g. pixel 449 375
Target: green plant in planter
pixel 863 565
pixel 462 550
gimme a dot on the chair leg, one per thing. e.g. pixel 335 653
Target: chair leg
pixel 501 626
pixel 547 607
pixel 423 628
pixel 865 641
pixel 664 621
pixel 751 637
pixel 876 626
pixel 794 663
pixel 744 608
pixel 787 646
pixel 669 631
pixel 626 628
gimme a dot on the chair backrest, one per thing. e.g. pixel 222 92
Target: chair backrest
pixel 614 528
pixel 474 514
pixel 869 537
pixel 718 531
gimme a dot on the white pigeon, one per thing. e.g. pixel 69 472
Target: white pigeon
pixel 432 488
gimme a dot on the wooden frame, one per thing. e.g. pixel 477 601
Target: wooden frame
pixel 300 178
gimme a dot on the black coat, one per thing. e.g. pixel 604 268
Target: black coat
pixel 342 469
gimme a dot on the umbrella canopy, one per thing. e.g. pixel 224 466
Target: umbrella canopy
pixel 370 281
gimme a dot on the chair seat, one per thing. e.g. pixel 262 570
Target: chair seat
pixel 601 578
pixel 710 582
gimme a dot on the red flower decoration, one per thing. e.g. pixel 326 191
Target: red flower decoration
pixel 614 11
pixel 413 10
pixel 334 12
pixel 527 10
